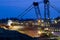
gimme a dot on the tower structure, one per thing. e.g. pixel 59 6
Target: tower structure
pixel 37 10
pixel 46 10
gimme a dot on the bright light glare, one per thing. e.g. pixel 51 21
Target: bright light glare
pixel 52 32
pixel 9 22
pixel 39 21
pixel 39 32
pixel 55 21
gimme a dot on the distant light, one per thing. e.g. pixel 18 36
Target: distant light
pixel 17 27
pixel 42 20
pixel 42 25
pixel 52 32
pixel 39 32
pixel 39 22
pixel 46 29
pixel 55 21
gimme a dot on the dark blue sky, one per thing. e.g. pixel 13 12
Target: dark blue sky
pixel 12 8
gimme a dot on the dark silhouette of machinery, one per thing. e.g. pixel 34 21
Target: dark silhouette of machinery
pixel 35 5
pixel 37 10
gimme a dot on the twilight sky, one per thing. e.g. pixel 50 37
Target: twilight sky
pixel 12 8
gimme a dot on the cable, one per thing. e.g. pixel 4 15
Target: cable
pixel 54 7
pixel 37 9
pixel 24 11
pixel 27 10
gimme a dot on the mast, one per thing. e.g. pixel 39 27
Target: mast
pixel 37 10
pixel 46 10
